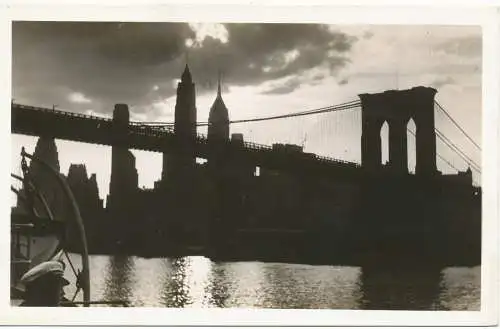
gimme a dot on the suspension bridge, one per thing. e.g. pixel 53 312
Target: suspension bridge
pixel 376 198
pixel 325 130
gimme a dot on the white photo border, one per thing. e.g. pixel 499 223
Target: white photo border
pixel 447 13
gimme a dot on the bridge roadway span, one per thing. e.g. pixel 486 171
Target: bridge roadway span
pixel 37 121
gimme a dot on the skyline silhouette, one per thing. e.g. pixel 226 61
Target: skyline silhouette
pixel 448 58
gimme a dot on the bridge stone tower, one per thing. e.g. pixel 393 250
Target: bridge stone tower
pixel 124 177
pixel 397 108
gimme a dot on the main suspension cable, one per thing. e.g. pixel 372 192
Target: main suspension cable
pixel 334 108
pixel 439 155
pixel 459 152
pixel 457 125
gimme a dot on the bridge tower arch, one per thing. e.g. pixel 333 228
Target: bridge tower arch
pixel 397 108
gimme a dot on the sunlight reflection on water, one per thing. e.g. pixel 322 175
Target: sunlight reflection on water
pixel 200 283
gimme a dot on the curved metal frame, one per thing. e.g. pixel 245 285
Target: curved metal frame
pixel 76 213
pixel 49 213
pixel 38 194
pixel 22 197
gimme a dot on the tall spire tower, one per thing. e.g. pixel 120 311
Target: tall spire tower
pixel 219 92
pixel 185 107
pixel 184 127
pixel 218 118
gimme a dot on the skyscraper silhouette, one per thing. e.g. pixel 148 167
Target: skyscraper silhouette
pixel 218 118
pixel 181 165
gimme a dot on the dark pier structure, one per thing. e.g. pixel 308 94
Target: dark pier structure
pixel 299 207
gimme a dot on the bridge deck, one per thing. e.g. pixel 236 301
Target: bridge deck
pixel 38 121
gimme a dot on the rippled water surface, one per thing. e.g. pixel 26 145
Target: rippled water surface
pixel 199 282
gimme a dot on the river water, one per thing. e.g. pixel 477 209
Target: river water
pixel 200 283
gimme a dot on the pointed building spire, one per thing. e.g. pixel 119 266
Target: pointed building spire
pixel 219 92
pixel 186 75
pixel 218 116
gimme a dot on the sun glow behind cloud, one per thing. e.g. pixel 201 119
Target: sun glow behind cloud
pixel 77 97
pixel 213 30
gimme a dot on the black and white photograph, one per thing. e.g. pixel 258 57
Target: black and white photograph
pixel 184 164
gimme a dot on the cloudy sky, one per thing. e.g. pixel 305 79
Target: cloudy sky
pixel 267 69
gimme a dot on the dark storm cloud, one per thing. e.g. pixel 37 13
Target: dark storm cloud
pixel 107 62
pixel 123 43
pixel 136 63
pixel 253 47
pixel 256 53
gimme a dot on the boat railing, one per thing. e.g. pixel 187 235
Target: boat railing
pixel 19 224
